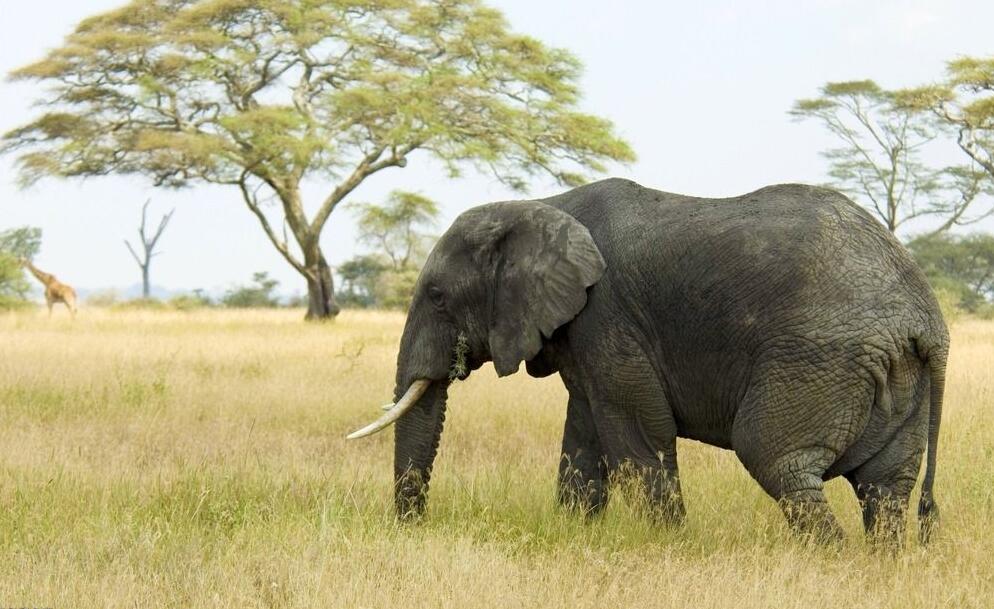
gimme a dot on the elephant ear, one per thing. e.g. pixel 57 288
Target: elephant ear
pixel 544 261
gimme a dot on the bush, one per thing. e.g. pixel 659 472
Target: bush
pixel 395 289
pixel 949 303
pixel 360 276
pixel 15 244
pixel 103 298
pixel 14 287
pixel 960 266
pixel 140 304
pixel 259 295
pixel 188 302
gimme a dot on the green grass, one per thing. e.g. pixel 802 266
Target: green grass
pixel 198 459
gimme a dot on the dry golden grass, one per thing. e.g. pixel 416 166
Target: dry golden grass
pixel 157 459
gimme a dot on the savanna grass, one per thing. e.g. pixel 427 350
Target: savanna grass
pixel 198 459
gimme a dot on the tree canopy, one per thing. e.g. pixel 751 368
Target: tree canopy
pixel 879 162
pixel 396 230
pixel 15 245
pixel 962 265
pixel 964 103
pixel 263 94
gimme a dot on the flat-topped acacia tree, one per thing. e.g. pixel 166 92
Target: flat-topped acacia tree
pixel 264 95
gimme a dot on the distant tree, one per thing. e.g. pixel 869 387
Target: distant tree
pixel 395 288
pixel 148 243
pixel 15 245
pixel 267 94
pixel 396 229
pixel 961 265
pixel 259 295
pixel 22 243
pixel 880 160
pixel 396 232
pixel 964 103
pixel 360 275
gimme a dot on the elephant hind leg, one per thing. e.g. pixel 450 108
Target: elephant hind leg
pixel 884 484
pixel 885 509
pixel 792 426
pixel 794 480
pixel 885 481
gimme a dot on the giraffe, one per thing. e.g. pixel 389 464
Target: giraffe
pixel 55 290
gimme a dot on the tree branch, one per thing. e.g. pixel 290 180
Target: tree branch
pixel 367 167
pixel 134 254
pixel 253 205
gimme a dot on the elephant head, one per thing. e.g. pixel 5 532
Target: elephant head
pixel 502 278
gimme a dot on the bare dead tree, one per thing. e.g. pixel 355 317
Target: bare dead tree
pixel 148 243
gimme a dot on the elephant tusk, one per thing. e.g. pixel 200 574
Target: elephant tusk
pixel 414 393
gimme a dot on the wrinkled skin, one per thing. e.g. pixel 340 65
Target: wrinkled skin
pixel 785 324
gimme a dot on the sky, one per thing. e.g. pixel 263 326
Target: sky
pixel 700 90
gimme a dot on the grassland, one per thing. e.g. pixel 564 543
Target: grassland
pixel 169 459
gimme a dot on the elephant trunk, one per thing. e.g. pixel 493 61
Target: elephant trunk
pixel 425 356
pixel 416 439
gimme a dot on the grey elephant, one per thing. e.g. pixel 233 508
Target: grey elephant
pixel 785 324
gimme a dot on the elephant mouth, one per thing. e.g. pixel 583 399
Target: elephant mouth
pixel 395 411
pixel 461 365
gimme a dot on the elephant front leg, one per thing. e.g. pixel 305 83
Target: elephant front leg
pixel 582 467
pixel 661 483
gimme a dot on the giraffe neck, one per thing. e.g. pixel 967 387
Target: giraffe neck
pixel 42 276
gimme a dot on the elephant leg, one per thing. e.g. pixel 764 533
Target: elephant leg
pixel 636 427
pixel 884 484
pixel 582 467
pixel 660 481
pixel 792 426
pixel 885 510
pixel 794 480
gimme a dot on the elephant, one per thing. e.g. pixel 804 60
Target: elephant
pixel 786 325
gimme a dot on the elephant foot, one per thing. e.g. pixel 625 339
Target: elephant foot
pixel 663 499
pixel 809 516
pixel 885 509
pixel 668 512
pixel 583 496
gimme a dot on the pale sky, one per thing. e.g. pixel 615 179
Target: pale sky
pixel 700 89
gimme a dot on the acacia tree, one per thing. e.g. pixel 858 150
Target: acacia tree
pixel 396 228
pixel 16 244
pixel 262 95
pixel 148 242
pixel 963 103
pixel 879 160
pixel 396 232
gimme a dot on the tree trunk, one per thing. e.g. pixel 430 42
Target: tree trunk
pixel 320 287
pixel 146 288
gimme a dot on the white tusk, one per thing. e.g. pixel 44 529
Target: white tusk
pixel 386 406
pixel 414 393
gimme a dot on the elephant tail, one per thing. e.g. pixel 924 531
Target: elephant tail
pixel 928 509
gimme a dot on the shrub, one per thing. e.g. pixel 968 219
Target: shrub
pixel 252 296
pixel 103 298
pixel 187 302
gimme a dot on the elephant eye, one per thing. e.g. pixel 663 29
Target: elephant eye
pixel 437 296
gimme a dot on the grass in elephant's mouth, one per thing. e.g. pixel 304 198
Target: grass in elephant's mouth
pixel 169 459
